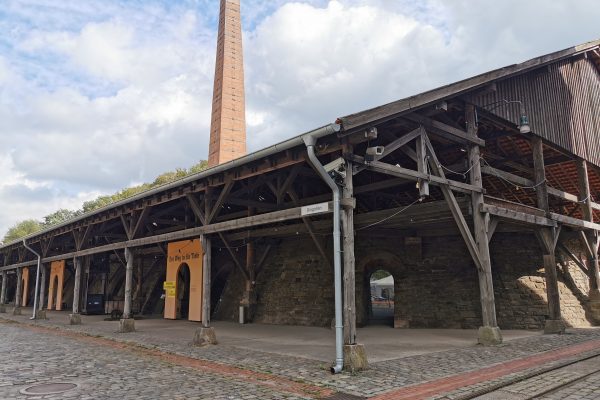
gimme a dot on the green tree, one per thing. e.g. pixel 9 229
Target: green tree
pixel 22 229
pixel 59 216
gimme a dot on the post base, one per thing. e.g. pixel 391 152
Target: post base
pixel 355 358
pixel 594 310
pixel 40 314
pixel 16 311
pixel 127 325
pixel 554 326
pixel 594 295
pixel 74 319
pixel 205 336
pixel 489 336
pixel 2 308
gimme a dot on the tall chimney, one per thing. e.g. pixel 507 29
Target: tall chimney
pixel 228 121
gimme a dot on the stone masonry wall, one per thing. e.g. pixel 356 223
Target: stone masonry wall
pixel 436 284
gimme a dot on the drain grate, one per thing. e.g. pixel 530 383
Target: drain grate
pixel 49 388
pixel 344 396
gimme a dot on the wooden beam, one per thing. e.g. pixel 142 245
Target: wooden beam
pixel 517 216
pixel 216 208
pixel 574 222
pixel 563 248
pixel 454 207
pixel 196 208
pixel 444 130
pixel 234 257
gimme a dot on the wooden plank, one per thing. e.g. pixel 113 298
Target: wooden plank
pixel 196 208
pixel 350 331
pixel 398 143
pixel 563 248
pixel 454 208
pixel 206 278
pixel 421 150
pixel 216 208
pixel 574 222
pixel 516 216
pixel 445 130
pixel 539 173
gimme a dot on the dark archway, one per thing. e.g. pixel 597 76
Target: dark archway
pixel 183 291
pixel 381 298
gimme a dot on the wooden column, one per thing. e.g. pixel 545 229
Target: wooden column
pixel 348 252
pixel 3 290
pixel 128 283
pixel 480 226
pixel 86 283
pixel 248 299
pixel 42 301
pixel 547 237
pixel 77 285
pixel 586 209
pixel 206 279
pixel 18 296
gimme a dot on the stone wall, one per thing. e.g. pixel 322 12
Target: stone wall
pixel 436 284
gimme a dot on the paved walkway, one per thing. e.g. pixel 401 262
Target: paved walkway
pixel 454 373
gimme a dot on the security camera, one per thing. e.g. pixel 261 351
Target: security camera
pixel 373 152
pixel 371 133
pixel 336 169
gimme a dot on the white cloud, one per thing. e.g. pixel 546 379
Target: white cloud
pixel 97 95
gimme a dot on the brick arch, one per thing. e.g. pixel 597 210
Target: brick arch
pixel 384 260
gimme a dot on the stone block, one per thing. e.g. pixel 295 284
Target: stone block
pixel 401 323
pixel 16 311
pixel 2 308
pixel 205 336
pixel 74 319
pixel 40 314
pixel 126 325
pixel 554 326
pixel 355 358
pixel 489 336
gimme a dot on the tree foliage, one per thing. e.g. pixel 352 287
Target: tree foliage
pixel 27 227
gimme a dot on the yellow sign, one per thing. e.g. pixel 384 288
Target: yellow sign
pixel 168 285
pixel 171 292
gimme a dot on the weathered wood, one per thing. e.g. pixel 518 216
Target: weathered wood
pixel 206 279
pixel 3 289
pixel 563 248
pixel 216 208
pixel 574 222
pixel 263 258
pixel 492 225
pixel 196 208
pixel 18 294
pixel 401 141
pixel 548 238
pixel 539 173
pixel 42 300
pixel 454 207
pixel 585 199
pixel 128 283
pixel 77 284
pixel 445 130
pixel 517 216
pixel 421 151
pixel 480 227
pixel 349 261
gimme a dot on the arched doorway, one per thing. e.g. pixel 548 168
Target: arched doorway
pixel 183 291
pixel 381 299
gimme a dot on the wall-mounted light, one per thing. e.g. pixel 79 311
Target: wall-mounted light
pixel 523 119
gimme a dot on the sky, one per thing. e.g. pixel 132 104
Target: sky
pixel 98 95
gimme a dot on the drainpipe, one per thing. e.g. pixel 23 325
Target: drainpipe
pixel 310 142
pixel 37 279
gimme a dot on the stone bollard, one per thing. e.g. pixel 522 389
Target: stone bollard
pixel 74 319
pixel 40 314
pixel 205 336
pixel 489 336
pixel 355 358
pixel 16 311
pixel 554 326
pixel 126 325
pixel 2 308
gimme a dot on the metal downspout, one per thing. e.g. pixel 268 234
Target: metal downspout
pixel 37 279
pixel 310 142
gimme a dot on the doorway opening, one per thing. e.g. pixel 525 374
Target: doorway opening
pixel 183 291
pixel 381 306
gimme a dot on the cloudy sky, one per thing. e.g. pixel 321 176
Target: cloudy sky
pixel 96 95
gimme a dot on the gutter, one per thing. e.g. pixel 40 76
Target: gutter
pixel 37 279
pixel 310 141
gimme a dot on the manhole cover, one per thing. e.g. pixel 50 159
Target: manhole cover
pixel 49 388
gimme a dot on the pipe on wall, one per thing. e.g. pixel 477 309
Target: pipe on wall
pixel 37 279
pixel 310 141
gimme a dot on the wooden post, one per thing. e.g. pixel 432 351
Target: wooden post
pixel 348 252
pixel 3 292
pixel 248 300
pixel 585 198
pixel 206 279
pixel 548 240
pixel 86 282
pixel 18 296
pixel 489 333
pixel 128 283
pixel 77 285
pixel 42 288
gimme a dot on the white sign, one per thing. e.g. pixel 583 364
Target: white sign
pixel 315 209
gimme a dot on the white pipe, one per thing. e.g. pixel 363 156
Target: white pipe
pixel 337 259
pixel 37 278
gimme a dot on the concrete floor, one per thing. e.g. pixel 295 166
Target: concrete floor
pixel 381 342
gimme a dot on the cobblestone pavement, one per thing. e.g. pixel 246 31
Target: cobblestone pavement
pixel 381 379
pixel 29 358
